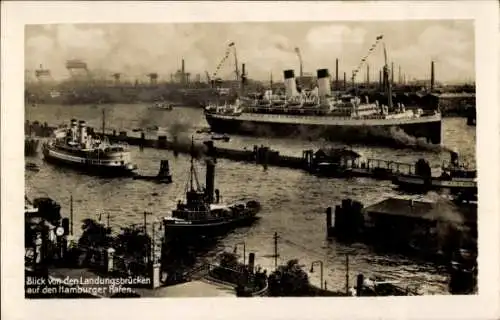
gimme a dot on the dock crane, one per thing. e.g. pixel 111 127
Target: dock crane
pixel 230 47
pixel 378 40
pixel 386 68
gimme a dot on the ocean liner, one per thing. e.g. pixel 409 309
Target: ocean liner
pixel 75 148
pixel 319 113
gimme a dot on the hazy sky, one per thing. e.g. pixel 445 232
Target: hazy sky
pixel 138 49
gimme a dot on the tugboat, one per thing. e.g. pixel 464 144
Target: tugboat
pixel 463 272
pixel 201 214
pixel 222 137
pixel 75 148
pixel 31 166
pixel 160 105
pixel 457 177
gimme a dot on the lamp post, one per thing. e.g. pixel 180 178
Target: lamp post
pixel 321 274
pixel 244 250
pixel 153 240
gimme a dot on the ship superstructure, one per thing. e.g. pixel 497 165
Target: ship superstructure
pixel 318 112
pixel 75 147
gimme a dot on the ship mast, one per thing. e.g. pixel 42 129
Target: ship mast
pixel 103 122
pixel 236 63
pixel 387 81
pixel 192 174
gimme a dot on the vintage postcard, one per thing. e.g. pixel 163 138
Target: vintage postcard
pixel 333 156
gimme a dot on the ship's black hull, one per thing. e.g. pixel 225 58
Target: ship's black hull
pixel 392 135
pixel 199 230
pixel 418 185
pixel 97 170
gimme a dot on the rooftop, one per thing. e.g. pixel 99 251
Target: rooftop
pixel 432 211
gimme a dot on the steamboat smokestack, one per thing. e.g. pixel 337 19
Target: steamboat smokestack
pixel 210 180
pixel 74 128
pixel 290 84
pixel 324 88
pixel 337 74
pixel 82 132
pixel 432 75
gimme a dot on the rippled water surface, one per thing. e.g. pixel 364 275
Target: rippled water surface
pixel 293 201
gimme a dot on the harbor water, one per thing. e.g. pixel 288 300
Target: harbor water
pixel 293 201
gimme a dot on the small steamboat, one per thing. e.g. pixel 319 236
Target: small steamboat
pixel 74 147
pixel 456 176
pixel 202 214
pixel 162 106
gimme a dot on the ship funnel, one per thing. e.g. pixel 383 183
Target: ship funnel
pixel 324 88
pixel 454 158
pixel 290 84
pixel 82 132
pixel 73 129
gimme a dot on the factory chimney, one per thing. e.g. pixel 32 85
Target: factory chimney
pixel 380 84
pixel 345 83
pixel 290 84
pixel 399 74
pixel 243 78
pixel 432 75
pixel 392 74
pixel 367 75
pixel 324 88
pixel 337 74
pixel 183 73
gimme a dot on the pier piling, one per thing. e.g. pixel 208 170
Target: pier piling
pixel 329 228
pixel 360 279
pixel 142 141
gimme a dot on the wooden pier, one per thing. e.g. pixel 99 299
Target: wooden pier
pixel 337 163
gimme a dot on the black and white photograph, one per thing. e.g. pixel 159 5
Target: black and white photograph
pixel 251 159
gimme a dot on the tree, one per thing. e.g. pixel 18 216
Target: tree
pixel 289 280
pixel 94 234
pixel 133 241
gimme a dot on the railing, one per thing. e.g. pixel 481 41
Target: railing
pixel 322 116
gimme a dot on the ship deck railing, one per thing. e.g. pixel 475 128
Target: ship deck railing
pixel 327 115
